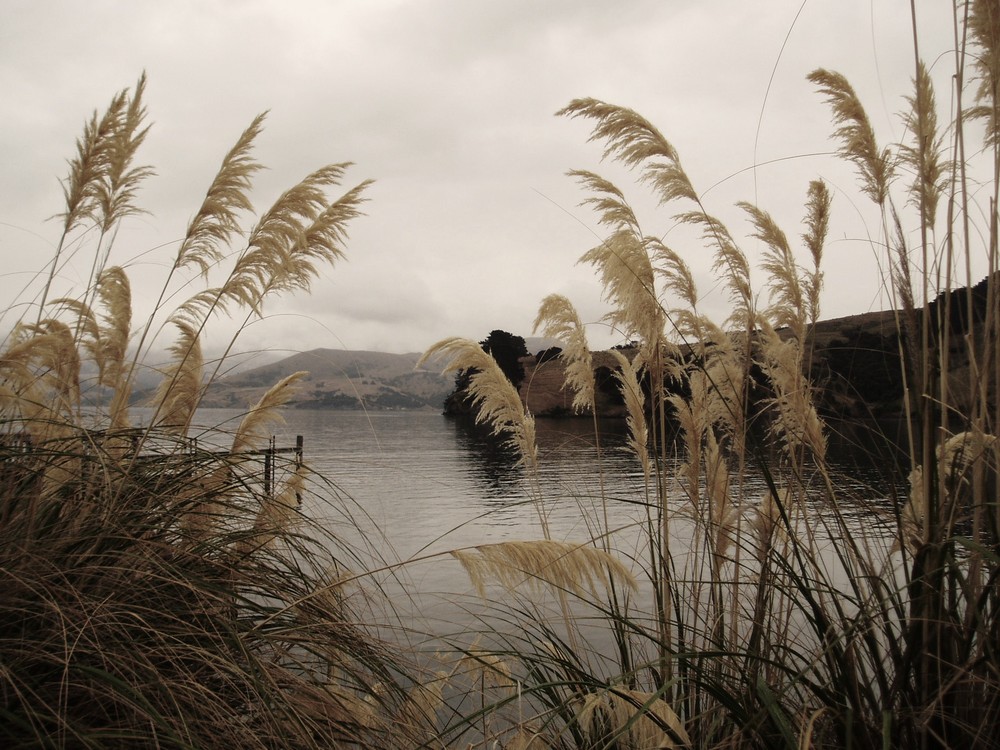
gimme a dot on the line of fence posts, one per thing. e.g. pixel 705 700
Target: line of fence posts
pixel 20 443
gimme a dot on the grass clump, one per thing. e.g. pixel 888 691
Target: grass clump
pixel 774 608
pixel 155 593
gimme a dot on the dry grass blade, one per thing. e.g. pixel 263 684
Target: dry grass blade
pixel 558 319
pixel 576 568
pixel 856 134
pixel 265 413
pixel 217 219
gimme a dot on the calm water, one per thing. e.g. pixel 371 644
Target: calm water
pixel 407 486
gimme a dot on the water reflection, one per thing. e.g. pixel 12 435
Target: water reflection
pixel 432 483
pixel 492 463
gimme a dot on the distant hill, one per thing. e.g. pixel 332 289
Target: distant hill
pixel 855 359
pixel 340 379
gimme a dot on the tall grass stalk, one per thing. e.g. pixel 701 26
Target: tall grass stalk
pixel 787 612
pixel 154 593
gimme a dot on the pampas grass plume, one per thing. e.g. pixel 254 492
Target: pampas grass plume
pixel 565 566
pixel 558 319
pixel 498 401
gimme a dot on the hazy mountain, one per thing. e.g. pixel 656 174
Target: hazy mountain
pixel 340 379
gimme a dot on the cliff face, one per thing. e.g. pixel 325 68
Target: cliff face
pixel 856 364
pixel 544 394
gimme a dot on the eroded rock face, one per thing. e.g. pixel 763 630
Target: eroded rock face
pixel 856 366
pixel 545 395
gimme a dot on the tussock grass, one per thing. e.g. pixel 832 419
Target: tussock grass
pixel 154 593
pixel 806 616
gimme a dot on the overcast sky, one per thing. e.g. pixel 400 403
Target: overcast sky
pixel 449 106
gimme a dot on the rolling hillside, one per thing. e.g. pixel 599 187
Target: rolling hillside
pixel 340 379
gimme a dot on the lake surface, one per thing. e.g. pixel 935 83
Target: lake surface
pixel 403 488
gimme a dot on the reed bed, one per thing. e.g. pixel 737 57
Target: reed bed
pixel 153 592
pixel 771 619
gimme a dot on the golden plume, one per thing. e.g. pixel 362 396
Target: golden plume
pixel 562 565
pixel 627 375
pixel 788 304
pixel 628 280
pixel 644 719
pixel 276 514
pixel 729 261
pixel 497 400
pixel 817 224
pixel 266 412
pixel 116 191
pixel 856 134
pixel 216 220
pixel 179 393
pixel 984 31
pixel 925 157
pixel 558 319
pixel 284 247
pixel 634 141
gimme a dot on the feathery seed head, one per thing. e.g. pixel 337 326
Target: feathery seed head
pixel 497 400
pixel 564 566
pixel 627 375
pixel 265 413
pixel 984 31
pixel 217 219
pixel 634 141
pixel 817 225
pixel 627 276
pixel 558 319
pixel 610 204
pixel 925 156
pixel 88 169
pixel 643 719
pixel 788 306
pixel 729 261
pixel 179 393
pixel 856 134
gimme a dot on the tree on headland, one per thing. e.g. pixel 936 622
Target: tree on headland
pixel 507 349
